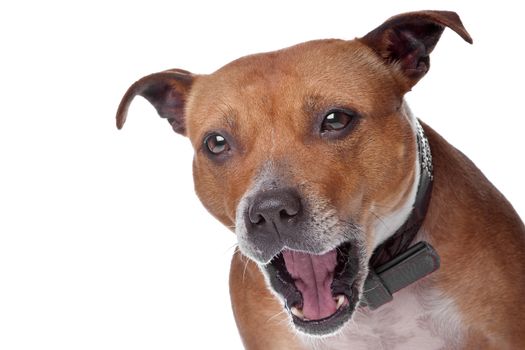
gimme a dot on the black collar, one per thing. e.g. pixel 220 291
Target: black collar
pixel 393 264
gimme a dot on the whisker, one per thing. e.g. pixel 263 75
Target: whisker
pixel 384 206
pixel 276 315
pixel 380 219
pixel 244 270
pixel 233 246
pixel 368 290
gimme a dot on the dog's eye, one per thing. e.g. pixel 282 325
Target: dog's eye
pixel 216 144
pixel 336 120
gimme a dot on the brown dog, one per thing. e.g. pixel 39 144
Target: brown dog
pixel 312 155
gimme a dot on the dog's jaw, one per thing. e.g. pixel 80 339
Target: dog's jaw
pixel 363 251
pixel 323 233
pixel 306 331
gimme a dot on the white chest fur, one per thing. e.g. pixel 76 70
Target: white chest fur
pixel 418 318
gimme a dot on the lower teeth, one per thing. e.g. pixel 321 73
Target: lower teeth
pixel 340 299
pixel 297 312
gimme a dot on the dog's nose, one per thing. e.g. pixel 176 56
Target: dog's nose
pixel 274 209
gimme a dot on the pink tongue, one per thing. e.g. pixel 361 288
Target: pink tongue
pixel 313 275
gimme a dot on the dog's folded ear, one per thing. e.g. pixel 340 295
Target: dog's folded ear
pixel 166 91
pixel 406 40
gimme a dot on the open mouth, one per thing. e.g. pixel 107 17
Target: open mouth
pixel 320 291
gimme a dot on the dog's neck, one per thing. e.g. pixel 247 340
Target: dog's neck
pixel 396 264
pixel 404 236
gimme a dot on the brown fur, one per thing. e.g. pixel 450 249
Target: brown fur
pixel 380 134
pixel 260 318
pixel 481 241
pixel 270 104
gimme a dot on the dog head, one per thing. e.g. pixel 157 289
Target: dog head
pixel 309 153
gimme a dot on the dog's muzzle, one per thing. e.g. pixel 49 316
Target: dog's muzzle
pixel 316 276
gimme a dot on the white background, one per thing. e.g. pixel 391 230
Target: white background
pixel 103 244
